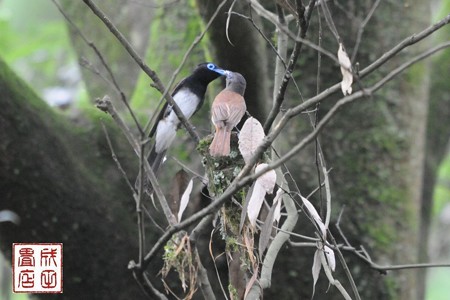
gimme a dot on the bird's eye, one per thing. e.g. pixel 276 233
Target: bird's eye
pixel 211 66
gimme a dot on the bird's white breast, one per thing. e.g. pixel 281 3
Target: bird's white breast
pixel 187 102
pixel 167 127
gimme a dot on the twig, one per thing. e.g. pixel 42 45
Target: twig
pixel 116 160
pixel 338 226
pixel 345 266
pixel 327 190
pixel 250 19
pixel 140 219
pixel 282 43
pixel 383 269
pixel 332 281
pixel 204 283
pixel 153 289
pixel 329 20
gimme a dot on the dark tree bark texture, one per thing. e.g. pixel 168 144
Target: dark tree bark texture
pixel 61 181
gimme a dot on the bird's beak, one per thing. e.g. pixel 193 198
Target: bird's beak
pixel 216 69
pixel 220 71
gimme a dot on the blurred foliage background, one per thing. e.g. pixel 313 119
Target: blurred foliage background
pixel 35 42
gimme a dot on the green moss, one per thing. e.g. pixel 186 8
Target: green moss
pixel 231 244
pixel 233 291
pixel 382 234
pixel 416 73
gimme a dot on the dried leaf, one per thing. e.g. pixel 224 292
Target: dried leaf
pixel 263 184
pixel 277 204
pixel 255 202
pixel 266 231
pixel 346 70
pixel 329 253
pixel 268 179
pixel 250 137
pixel 313 212
pixel 185 199
pixel 317 265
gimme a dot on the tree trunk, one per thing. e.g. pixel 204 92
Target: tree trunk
pixel 64 193
pixel 437 141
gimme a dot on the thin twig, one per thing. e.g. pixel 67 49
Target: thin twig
pixel 116 160
pixel 345 266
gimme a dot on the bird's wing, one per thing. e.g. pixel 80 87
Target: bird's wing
pixel 220 109
pixel 237 110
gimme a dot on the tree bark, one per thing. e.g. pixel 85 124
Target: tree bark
pixel 437 138
pixel 64 193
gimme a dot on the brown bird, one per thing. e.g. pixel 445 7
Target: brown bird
pixel 227 110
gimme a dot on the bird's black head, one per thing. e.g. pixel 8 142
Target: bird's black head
pixel 207 72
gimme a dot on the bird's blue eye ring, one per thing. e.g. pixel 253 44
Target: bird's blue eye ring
pixel 211 66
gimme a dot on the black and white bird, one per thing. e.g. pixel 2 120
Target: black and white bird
pixel 189 95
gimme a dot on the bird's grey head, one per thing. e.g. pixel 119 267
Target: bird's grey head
pixel 236 82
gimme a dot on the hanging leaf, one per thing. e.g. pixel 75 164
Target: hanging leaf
pixel 263 185
pixel 315 215
pixel 277 204
pixel 317 264
pixel 255 202
pixel 266 230
pixel 185 199
pixel 329 253
pixel 268 179
pixel 346 70
pixel 250 137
